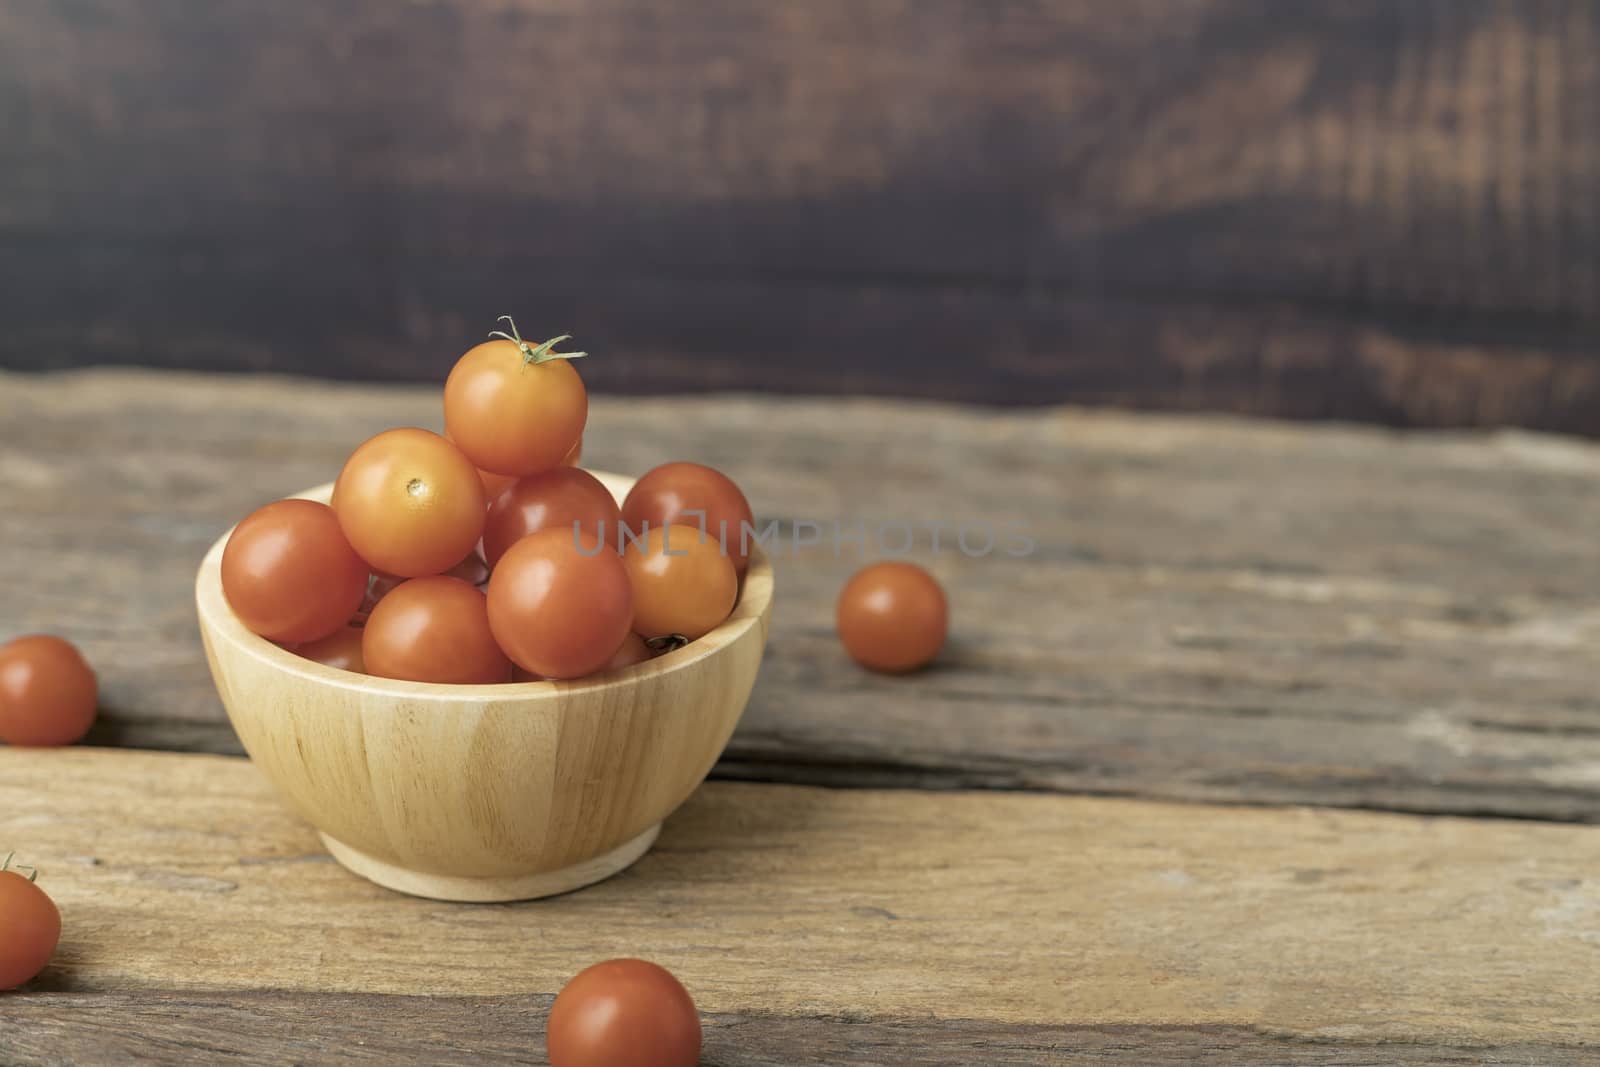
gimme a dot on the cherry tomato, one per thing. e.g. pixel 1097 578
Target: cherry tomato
pixel 682 583
pixel 410 503
pixel 520 675
pixel 556 611
pixel 433 630
pixel 633 650
pixel 340 649
pixel 664 494
pixel 893 617
pixel 47 693
pixel 493 483
pixel 515 407
pixel 575 456
pixel 623 1013
pixel 553 499
pixel 30 926
pixel 289 574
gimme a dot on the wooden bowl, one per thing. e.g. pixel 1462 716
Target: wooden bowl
pixel 486 792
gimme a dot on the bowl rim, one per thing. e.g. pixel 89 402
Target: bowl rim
pixel 219 622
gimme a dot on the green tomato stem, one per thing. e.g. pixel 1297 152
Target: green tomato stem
pixel 535 354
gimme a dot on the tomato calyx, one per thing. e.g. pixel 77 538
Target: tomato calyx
pixel 32 873
pixel 533 355
pixel 665 643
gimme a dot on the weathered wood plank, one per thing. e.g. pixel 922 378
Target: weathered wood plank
pixel 1214 610
pixel 57 1027
pixel 183 875
pixel 1364 210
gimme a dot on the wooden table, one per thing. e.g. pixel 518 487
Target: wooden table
pixel 1278 748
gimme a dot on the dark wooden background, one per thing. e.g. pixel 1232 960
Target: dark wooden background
pixel 1385 210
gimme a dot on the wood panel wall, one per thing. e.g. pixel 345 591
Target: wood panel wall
pixel 1381 210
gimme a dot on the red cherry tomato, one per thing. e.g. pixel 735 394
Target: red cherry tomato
pixel 433 630
pixel 623 1013
pixel 664 495
pixel 682 583
pixel 410 503
pixel 556 611
pixel 515 407
pixel 30 926
pixel 633 651
pixel 893 617
pixel 289 574
pixel 48 693
pixel 340 649
pixel 553 499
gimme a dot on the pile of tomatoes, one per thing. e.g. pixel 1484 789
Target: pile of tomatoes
pixel 486 555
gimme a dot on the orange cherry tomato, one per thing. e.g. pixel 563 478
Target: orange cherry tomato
pixel 554 499
pixel 664 495
pixel 515 407
pixel 410 503
pixel 623 1013
pixel 48 694
pixel 557 611
pixel 289 574
pixel 493 483
pixel 893 617
pixel 682 583
pixel 340 649
pixel 30 926
pixel 433 630
pixel 575 456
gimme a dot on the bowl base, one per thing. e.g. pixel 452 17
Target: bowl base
pixel 491 890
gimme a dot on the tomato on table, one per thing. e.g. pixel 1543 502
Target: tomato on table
pixel 515 407
pixel 623 1013
pixel 30 927
pixel 892 617
pixel 671 492
pixel 289 574
pixel 48 692
pixel 410 503
pixel 556 611
pixel 433 629
pixel 563 498
pixel 682 583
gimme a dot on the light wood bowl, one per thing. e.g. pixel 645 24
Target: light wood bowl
pixel 486 792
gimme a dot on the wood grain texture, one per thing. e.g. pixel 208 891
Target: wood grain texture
pixel 69 1029
pixel 183 873
pixel 1363 210
pixel 1213 610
